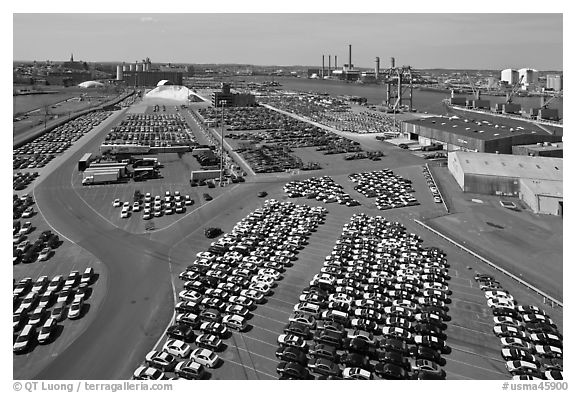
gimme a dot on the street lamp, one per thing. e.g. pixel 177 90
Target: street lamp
pixel 222 145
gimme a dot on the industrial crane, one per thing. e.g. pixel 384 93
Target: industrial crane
pixel 474 89
pixel 514 91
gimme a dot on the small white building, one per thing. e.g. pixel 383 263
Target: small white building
pixel 509 75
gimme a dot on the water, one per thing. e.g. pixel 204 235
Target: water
pixel 423 101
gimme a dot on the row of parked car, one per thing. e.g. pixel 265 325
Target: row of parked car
pixel 26 251
pixel 531 343
pixel 323 189
pixel 22 206
pixel 391 191
pixel 225 283
pixel 37 153
pixel 156 206
pixel 40 305
pixel 148 130
pixel 20 180
pixel 377 307
pixel 432 185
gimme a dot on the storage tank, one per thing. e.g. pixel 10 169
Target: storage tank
pixel 125 68
pixel 138 67
pixel 119 73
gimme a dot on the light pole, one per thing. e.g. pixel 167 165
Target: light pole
pixel 222 145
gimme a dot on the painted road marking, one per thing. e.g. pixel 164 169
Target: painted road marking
pixel 458 376
pixel 274 309
pixel 268 318
pixel 479 367
pixel 477 354
pixel 268 330
pixel 257 354
pixel 263 342
pixel 258 371
pixel 472 330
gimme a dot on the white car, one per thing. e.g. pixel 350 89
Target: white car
pixel 267 280
pixel 270 273
pixel 548 351
pixel 75 310
pixel 125 214
pixel 136 206
pixel 509 331
pixel 514 366
pixel 177 348
pixel 190 296
pixel 503 320
pixel 116 203
pixel 500 302
pixel 263 288
pixel 356 373
pixel 148 373
pixel 235 322
pixel 26 228
pixel 205 357
pixel 44 254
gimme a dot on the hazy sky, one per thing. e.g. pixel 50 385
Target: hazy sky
pixel 477 41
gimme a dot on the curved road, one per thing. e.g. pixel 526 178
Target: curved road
pixel 138 303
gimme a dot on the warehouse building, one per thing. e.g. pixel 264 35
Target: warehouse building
pixel 151 78
pixel 542 196
pixel 227 98
pixel 545 149
pixel 474 135
pixel 536 180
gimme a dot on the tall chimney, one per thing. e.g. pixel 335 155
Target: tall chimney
pixel 377 70
pixel 329 64
pixel 335 61
pixel 392 62
pixel 322 66
pixel 349 56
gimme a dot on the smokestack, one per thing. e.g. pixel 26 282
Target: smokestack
pixel 322 66
pixel 329 64
pixel 350 56
pixel 377 70
pixel 392 62
pixel 335 62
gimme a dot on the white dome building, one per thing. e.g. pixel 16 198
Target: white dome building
pixel 91 84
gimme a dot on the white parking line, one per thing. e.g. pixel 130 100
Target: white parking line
pixel 479 367
pixel 257 354
pixel 274 309
pixel 472 330
pixel 458 376
pixel 258 371
pixel 261 328
pixel 263 342
pixel 281 301
pixel 476 354
pixel 270 319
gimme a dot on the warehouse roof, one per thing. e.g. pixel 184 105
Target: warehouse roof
pixel 544 187
pixel 522 167
pixel 544 146
pixel 478 128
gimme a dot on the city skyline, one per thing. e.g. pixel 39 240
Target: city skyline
pixel 451 41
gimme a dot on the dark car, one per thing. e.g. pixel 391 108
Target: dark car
pixel 298 328
pixel 211 233
pixel 206 197
pixel 541 327
pixel 328 337
pixel 262 194
pixel 390 371
pixel 331 326
pixel 211 314
pixel 292 370
pixel 394 357
pixel 505 312
pixel 421 352
pixel 426 328
pixel 291 354
pixel 351 359
pixel 324 351
pixel 324 366
pixel 436 310
pixel 424 375
pixel 182 332
pixel 357 345
pixel 392 344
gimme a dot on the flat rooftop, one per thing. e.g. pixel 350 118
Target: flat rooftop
pixel 477 128
pixel 545 147
pixel 507 165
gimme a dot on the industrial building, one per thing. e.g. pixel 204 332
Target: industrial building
pixel 536 180
pixel 528 77
pixel 480 136
pixel 555 82
pixel 509 76
pixel 228 99
pixel 151 78
pixel 545 149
